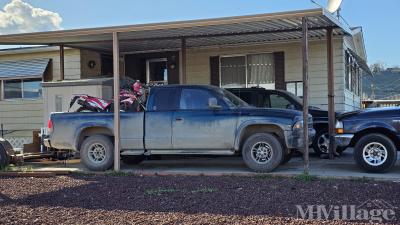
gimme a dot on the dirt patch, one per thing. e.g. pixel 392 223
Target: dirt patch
pixel 189 200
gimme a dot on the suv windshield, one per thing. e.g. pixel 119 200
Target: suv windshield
pixel 299 100
pixel 232 100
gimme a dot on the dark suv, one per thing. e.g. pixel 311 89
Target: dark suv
pixel 263 98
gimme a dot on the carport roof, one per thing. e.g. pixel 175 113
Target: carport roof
pixel 270 27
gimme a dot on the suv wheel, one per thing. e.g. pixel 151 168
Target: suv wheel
pixel 321 142
pixel 262 152
pixel 375 153
pixel 97 153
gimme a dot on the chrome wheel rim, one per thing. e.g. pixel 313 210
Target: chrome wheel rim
pixel 97 153
pixel 323 143
pixel 261 152
pixel 375 154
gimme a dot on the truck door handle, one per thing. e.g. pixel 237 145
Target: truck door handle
pixel 178 119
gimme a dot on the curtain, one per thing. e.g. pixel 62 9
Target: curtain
pixel 261 69
pixel 233 71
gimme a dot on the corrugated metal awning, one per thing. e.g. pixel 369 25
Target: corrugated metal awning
pixel 32 68
pixel 261 28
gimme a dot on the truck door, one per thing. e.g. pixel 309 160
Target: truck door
pixel 197 127
pixel 158 118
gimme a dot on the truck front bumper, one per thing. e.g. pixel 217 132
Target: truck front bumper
pixel 295 139
pixel 343 140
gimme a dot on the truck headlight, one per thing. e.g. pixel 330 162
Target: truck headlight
pixel 339 127
pixel 298 125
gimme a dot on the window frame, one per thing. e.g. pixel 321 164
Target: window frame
pixel 2 92
pixel 296 83
pixel 245 55
pixel 353 75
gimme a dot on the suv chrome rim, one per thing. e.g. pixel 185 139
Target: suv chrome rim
pixel 323 143
pixel 261 152
pixel 97 153
pixel 375 154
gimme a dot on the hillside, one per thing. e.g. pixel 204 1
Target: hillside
pixel 386 84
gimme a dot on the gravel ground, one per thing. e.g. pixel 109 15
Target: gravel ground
pixel 83 199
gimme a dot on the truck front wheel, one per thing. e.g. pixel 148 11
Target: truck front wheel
pixel 375 153
pixel 97 153
pixel 262 152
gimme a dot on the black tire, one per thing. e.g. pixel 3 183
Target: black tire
pixel 287 158
pixel 275 148
pixel 324 150
pixel 132 159
pixel 3 157
pixel 89 160
pixel 382 140
pixel 319 137
pixel 340 150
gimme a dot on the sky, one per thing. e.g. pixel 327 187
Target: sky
pixel 380 19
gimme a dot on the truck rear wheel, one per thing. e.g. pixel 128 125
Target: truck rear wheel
pixel 97 153
pixel 262 152
pixel 375 153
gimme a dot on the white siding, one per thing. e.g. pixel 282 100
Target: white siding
pixel 198 68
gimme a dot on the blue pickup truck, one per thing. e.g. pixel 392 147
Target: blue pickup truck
pixel 374 134
pixel 183 120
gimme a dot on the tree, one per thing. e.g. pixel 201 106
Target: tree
pixel 378 67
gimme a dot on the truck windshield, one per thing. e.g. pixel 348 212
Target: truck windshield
pixel 232 100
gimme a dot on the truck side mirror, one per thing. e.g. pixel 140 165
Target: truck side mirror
pixel 213 104
pixel 290 106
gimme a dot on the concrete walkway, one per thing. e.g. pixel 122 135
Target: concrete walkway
pixel 342 167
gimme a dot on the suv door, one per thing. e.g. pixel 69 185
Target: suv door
pixel 197 127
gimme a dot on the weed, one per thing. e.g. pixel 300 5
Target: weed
pixel 159 191
pixel 204 190
pixel 6 168
pixel 305 177
pixel 12 168
pixel 117 173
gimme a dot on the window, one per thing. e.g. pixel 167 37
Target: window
pixel 233 71
pixel 12 89
pixel 295 87
pixel 244 95
pixel 279 102
pixel 192 99
pixel 247 70
pixel 26 89
pixel 347 70
pixel 352 75
pixel 261 69
pixel 162 99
